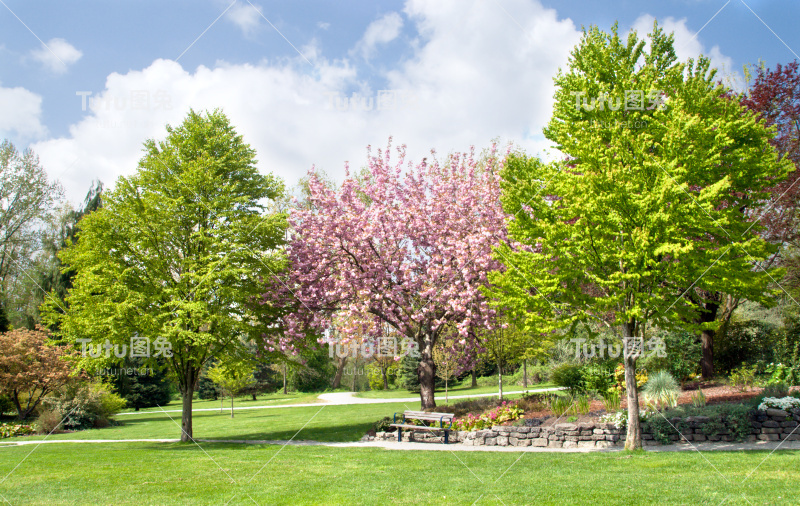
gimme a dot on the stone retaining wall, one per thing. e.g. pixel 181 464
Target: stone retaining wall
pixel 772 425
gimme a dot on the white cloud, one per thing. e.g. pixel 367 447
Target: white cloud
pixel 323 25
pixel 245 16
pixel 380 31
pixel 56 55
pixel 688 45
pixel 476 74
pixel 20 114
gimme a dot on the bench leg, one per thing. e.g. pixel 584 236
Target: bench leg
pixel 446 436
pixel 399 435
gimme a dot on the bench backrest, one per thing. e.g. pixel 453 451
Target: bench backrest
pixel 422 415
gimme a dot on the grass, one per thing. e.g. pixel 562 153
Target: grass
pixel 146 473
pixel 274 399
pixel 323 423
pixel 463 388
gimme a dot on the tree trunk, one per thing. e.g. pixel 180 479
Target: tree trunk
pixel 284 378
pixel 633 439
pixel 707 315
pixel 446 395
pixel 186 415
pixel 474 378
pixel 500 381
pixel 524 374
pixel 427 374
pixel 221 403
pixel 385 371
pixel 337 379
pixel 231 405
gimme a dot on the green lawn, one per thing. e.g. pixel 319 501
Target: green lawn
pixel 324 423
pixel 145 473
pixel 460 389
pixel 275 399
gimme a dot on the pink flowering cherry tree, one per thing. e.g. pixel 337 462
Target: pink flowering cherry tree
pixel 409 248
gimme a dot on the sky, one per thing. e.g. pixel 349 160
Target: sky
pixel 314 83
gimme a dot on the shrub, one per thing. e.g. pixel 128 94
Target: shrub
pixel 383 425
pixel 13 430
pixel 82 406
pixel 662 390
pixel 777 389
pixel 682 357
pixel 582 404
pixel 743 378
pixel 783 373
pixel 568 376
pixel 731 419
pixel 619 377
pixel 597 378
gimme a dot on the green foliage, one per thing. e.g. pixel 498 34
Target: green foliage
pixel 384 425
pixel 683 353
pixel 582 404
pixel 783 373
pixel 568 376
pixel 143 387
pixel 597 377
pixel 662 390
pixel 316 373
pixel 560 404
pixel 505 412
pixel 81 406
pixel 743 378
pixel 725 419
pixel 699 398
pixel 611 400
pixel 207 389
pixel 179 251
pixel 777 389
pixel 409 375
pixel 375 376
pixel 748 342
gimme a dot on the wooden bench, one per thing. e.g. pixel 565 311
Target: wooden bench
pixel 442 418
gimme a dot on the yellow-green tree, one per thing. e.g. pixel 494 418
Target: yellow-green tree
pixel 661 175
pixel 232 377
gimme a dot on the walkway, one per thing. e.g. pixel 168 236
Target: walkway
pixel 393 445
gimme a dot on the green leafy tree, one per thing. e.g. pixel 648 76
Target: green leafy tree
pixel 232 377
pixel 505 345
pixel 140 386
pixel 648 202
pixel 176 254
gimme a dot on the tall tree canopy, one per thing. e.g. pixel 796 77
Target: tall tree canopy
pixel 177 252
pixel 407 248
pixel 648 202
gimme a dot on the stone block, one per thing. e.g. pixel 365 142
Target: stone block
pixel 789 423
pixel 586 444
pixel 771 430
pixel 566 426
pixel 698 437
pixel 771 424
pixel 777 413
pixel 571 438
pixel 569 444
pixel 585 438
pixel 490 441
pixel 768 437
pixel 523 442
pixel 540 442
pixel 554 444
pixel 604 444
pixel 513 441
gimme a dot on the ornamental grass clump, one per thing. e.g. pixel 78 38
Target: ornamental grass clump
pixel 662 390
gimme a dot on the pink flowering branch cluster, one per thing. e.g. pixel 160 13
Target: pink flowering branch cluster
pixel 409 246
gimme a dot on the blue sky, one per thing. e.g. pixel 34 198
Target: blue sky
pixel 461 72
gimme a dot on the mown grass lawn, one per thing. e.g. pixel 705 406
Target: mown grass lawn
pixel 463 388
pixel 274 399
pixel 146 473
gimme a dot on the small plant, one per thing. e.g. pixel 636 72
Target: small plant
pixel 743 378
pixel 777 389
pixel 568 376
pixel 698 398
pixel 662 390
pixel 619 377
pixel 611 400
pixel 505 412
pixel 572 419
pixel 560 405
pixel 783 373
pixel 582 404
